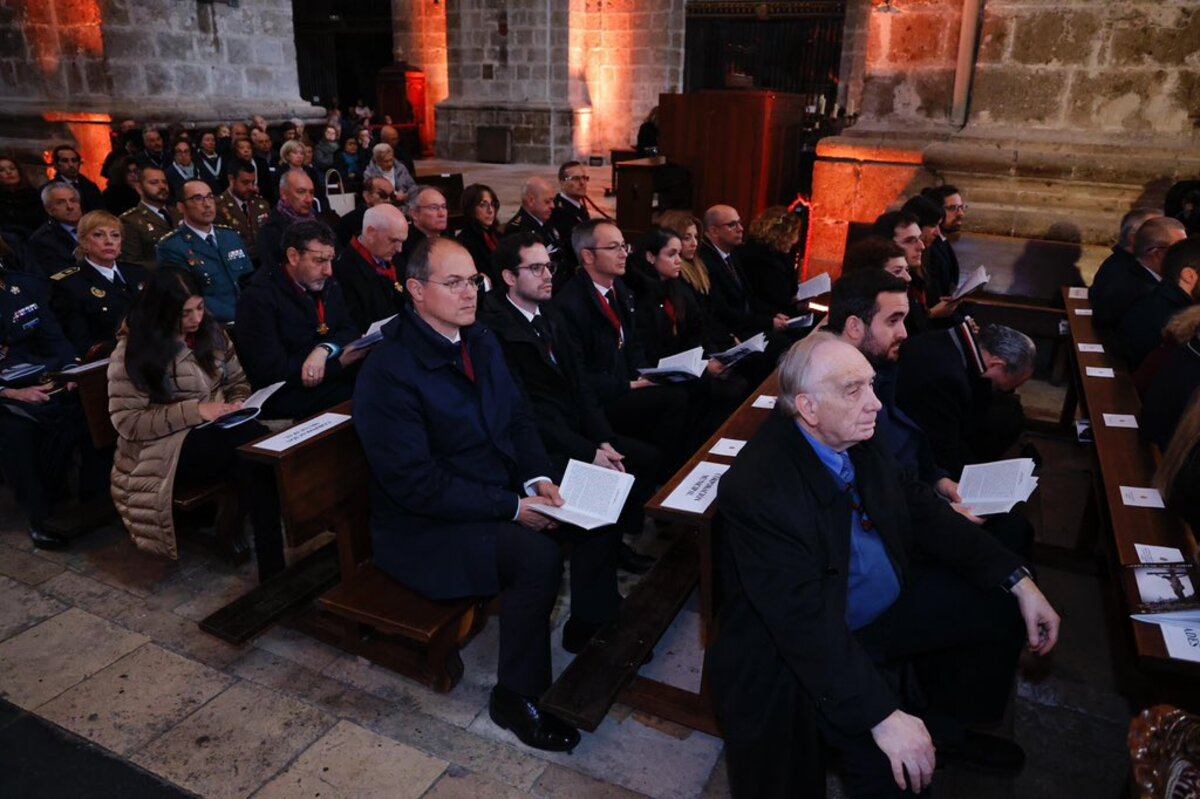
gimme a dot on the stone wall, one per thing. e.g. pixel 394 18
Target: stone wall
pixel 68 67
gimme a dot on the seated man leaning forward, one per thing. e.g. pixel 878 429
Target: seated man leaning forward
pixel 457 465
pixel 859 609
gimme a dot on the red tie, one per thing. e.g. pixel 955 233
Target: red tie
pixel 468 367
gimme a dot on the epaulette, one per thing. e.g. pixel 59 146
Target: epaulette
pixel 224 227
pixel 130 212
pixel 169 234
pixel 70 270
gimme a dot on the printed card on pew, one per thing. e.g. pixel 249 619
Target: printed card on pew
pixel 1077 293
pixel 373 336
pixel 974 281
pixel 1120 420
pixel 677 368
pixel 1165 588
pixel 729 447
pixel 814 287
pixel 766 401
pixel 1083 311
pixel 1100 371
pixel 1091 348
pixel 756 343
pixel 593 495
pixel 302 432
pixel 989 488
pixel 1141 497
pixel 250 409
pixel 1182 640
pixel 1149 553
pixel 697 491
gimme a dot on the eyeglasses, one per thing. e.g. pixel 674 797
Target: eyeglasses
pixel 622 246
pixel 485 204
pixel 579 178
pixel 538 270
pixel 439 207
pixel 200 199
pixel 954 209
pixel 733 224
pixel 458 285
pixel 319 258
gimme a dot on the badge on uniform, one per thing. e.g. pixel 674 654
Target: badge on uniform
pixel 98 292
pixel 235 254
pixel 14 289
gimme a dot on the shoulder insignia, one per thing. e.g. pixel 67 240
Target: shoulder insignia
pixel 130 212
pixel 98 292
pixel 222 227
pixel 65 273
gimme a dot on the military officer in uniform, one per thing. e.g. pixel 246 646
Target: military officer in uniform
pixel 214 254
pixel 92 298
pixel 241 208
pixel 39 430
pixel 52 245
pixel 148 221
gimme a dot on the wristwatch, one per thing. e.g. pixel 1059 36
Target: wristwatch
pixel 333 349
pixel 1019 574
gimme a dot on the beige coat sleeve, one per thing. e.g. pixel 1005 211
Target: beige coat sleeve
pixel 134 416
pixel 234 384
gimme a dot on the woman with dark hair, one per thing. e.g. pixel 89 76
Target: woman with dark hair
pixel 768 258
pixel 349 164
pixel 480 233
pixel 175 369
pixel 181 169
pixel 21 210
pixel 211 164
pixel 670 322
pixel 120 195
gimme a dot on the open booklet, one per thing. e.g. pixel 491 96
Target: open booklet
pixel 593 496
pixel 677 368
pixel 373 336
pixel 989 488
pixel 973 281
pixel 814 287
pixel 250 409
pixel 21 373
pixel 756 343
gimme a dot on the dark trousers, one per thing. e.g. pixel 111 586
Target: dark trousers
pixel 210 454
pixel 657 415
pixel 37 443
pixel 298 402
pixel 530 567
pixel 950 651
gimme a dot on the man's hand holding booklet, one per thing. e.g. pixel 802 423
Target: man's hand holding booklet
pixel 593 496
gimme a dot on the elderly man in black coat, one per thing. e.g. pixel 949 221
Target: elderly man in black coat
pixel 858 608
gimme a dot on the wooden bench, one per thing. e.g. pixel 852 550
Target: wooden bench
pixel 231 541
pixel 1123 459
pixel 324 484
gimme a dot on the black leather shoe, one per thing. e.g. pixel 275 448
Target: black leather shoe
pixel 577 633
pixel 511 711
pixel 46 540
pixel 990 754
pixel 633 562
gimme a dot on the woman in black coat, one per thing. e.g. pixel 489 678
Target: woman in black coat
pixel 480 233
pixel 21 210
pixel 768 261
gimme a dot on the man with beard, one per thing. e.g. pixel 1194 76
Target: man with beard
pixel 144 225
pixel 240 207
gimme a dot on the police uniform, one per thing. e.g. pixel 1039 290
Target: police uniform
pixel 142 229
pixel 52 247
pixel 218 266
pixel 246 223
pixel 36 440
pixel 89 306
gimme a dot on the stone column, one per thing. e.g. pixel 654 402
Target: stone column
pixel 1078 111
pixel 70 67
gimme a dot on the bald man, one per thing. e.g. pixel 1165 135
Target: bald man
pixel 370 270
pixel 296 195
pixel 537 206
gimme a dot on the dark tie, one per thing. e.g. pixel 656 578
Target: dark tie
pixel 611 297
pixel 166 217
pixel 543 333
pixel 732 270
pixel 211 240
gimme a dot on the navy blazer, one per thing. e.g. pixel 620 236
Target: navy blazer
pixel 784 559
pixel 736 311
pixel 448 457
pixel 608 366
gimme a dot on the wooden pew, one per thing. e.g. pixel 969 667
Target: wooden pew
pixel 324 484
pixel 92 386
pixel 1123 459
pixel 606 670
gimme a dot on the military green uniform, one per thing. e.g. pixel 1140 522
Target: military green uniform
pixel 219 265
pixel 142 230
pixel 245 222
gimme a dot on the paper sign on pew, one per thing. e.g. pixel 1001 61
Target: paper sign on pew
pixel 593 496
pixel 697 491
pixel 729 447
pixel 1100 371
pixel 1077 293
pixel 1083 311
pixel 301 432
pixel 1091 348
pixel 1120 420
pixel 1141 497
pixel 764 401
pixel 1149 553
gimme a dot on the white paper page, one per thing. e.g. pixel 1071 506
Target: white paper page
pixel 1163 585
pixel 1181 618
pixel 592 492
pixel 698 489
pixel 1077 293
pixel 756 343
pixel 1100 371
pixel 85 367
pixel 1183 642
pixel 1141 497
pixel 994 481
pixel 302 432
pixel 1083 311
pixel 258 398
pixel 800 321
pixel 1120 420
pixel 814 287
pixel 973 281
pixel 373 335
pixel 1091 348
pixel 690 362
pixel 1149 553
pixel 986 507
pixel 764 401
pixel 377 325
pixel 729 447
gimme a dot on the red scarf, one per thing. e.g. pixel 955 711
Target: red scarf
pixel 669 309
pixel 388 271
pixel 490 240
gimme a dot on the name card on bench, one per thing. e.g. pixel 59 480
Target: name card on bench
pixel 1139 497
pixel 764 401
pixel 1100 371
pixel 1091 348
pixel 301 432
pixel 1077 293
pixel 1150 553
pixel 698 489
pixel 1120 420
pixel 1083 311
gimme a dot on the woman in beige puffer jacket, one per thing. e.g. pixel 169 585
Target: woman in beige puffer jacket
pixel 170 343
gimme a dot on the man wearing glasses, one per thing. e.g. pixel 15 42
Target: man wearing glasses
pixel 457 465
pixel 214 254
pixel 293 326
pixel 429 217
pixel 570 206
